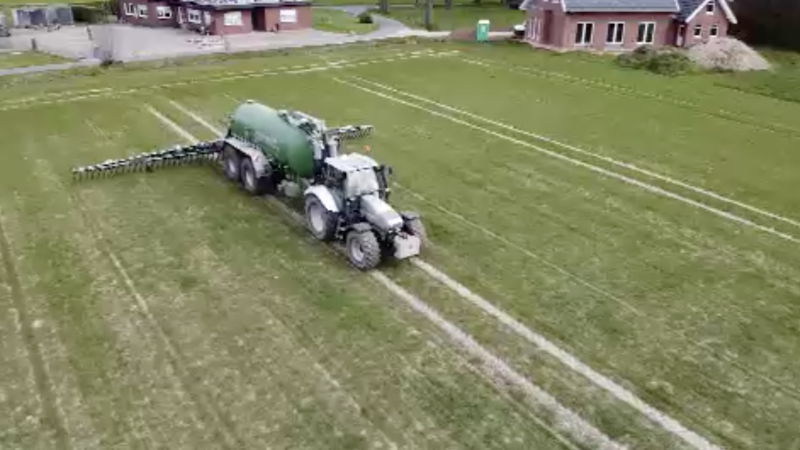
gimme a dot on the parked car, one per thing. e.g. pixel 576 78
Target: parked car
pixel 4 31
pixel 519 31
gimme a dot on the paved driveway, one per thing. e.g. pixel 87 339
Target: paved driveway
pixel 129 43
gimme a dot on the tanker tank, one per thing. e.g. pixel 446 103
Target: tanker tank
pixel 263 127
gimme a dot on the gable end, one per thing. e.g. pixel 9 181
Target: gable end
pixel 726 8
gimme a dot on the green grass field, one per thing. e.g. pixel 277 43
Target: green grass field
pixel 10 60
pixel 461 16
pixel 340 22
pixel 581 200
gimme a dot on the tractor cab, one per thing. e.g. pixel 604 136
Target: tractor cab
pixel 357 175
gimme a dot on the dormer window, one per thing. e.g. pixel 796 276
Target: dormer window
pixel 711 6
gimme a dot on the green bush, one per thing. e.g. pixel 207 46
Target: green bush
pixel 87 14
pixel 670 63
pixel 638 59
pixel 663 62
pixel 365 17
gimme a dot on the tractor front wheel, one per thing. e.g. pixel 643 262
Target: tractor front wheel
pixel 252 183
pixel 231 164
pixel 414 226
pixel 320 221
pixel 363 249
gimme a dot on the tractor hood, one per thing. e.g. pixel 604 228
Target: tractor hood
pixel 379 213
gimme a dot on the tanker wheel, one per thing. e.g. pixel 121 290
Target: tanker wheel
pixel 320 221
pixel 231 164
pixel 363 249
pixel 251 182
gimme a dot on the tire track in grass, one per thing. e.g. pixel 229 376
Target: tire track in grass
pixel 622 90
pixel 787 389
pixel 138 327
pixel 566 421
pixel 210 412
pixel 191 138
pixel 44 386
pixel 619 392
pixel 496 371
pixel 598 156
pixel 608 173
pixel 93 94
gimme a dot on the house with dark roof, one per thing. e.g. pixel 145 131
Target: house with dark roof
pixel 619 25
pixel 218 17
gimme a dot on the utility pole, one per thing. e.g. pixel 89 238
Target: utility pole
pixel 427 14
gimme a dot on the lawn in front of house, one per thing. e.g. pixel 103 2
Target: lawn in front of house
pixel 11 60
pixel 782 82
pixel 340 22
pixel 460 16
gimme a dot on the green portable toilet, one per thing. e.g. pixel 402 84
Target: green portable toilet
pixel 482 31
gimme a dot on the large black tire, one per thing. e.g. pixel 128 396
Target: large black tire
pixel 253 184
pixel 363 249
pixel 321 222
pixel 231 164
pixel 414 226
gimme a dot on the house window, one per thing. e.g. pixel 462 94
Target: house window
pixel 646 33
pixel 616 30
pixel 698 31
pixel 164 12
pixel 143 11
pixel 287 16
pixel 233 19
pixel 714 31
pixel 130 9
pixel 711 6
pixel 193 16
pixel 584 32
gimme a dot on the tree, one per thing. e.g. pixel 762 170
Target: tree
pixel 768 22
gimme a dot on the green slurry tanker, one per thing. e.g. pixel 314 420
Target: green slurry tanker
pixel 268 151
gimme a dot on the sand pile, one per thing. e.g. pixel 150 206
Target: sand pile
pixel 727 54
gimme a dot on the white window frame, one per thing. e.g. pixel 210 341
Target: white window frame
pixel 130 9
pixel 714 31
pixel 584 26
pixel 141 11
pixel 164 12
pixel 192 12
pixel 228 20
pixel 697 31
pixel 711 7
pixel 619 30
pixel 287 15
pixel 643 40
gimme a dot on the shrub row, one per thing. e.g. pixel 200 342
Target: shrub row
pixel 664 62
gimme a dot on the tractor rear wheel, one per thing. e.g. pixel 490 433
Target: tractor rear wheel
pixel 231 164
pixel 252 183
pixel 363 249
pixel 320 221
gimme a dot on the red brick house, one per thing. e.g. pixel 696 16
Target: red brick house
pixel 617 25
pixel 218 17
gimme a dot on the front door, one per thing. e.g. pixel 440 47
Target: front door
pixel 681 36
pixel 547 28
pixel 259 19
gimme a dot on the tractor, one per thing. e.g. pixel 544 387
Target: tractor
pixel 286 152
